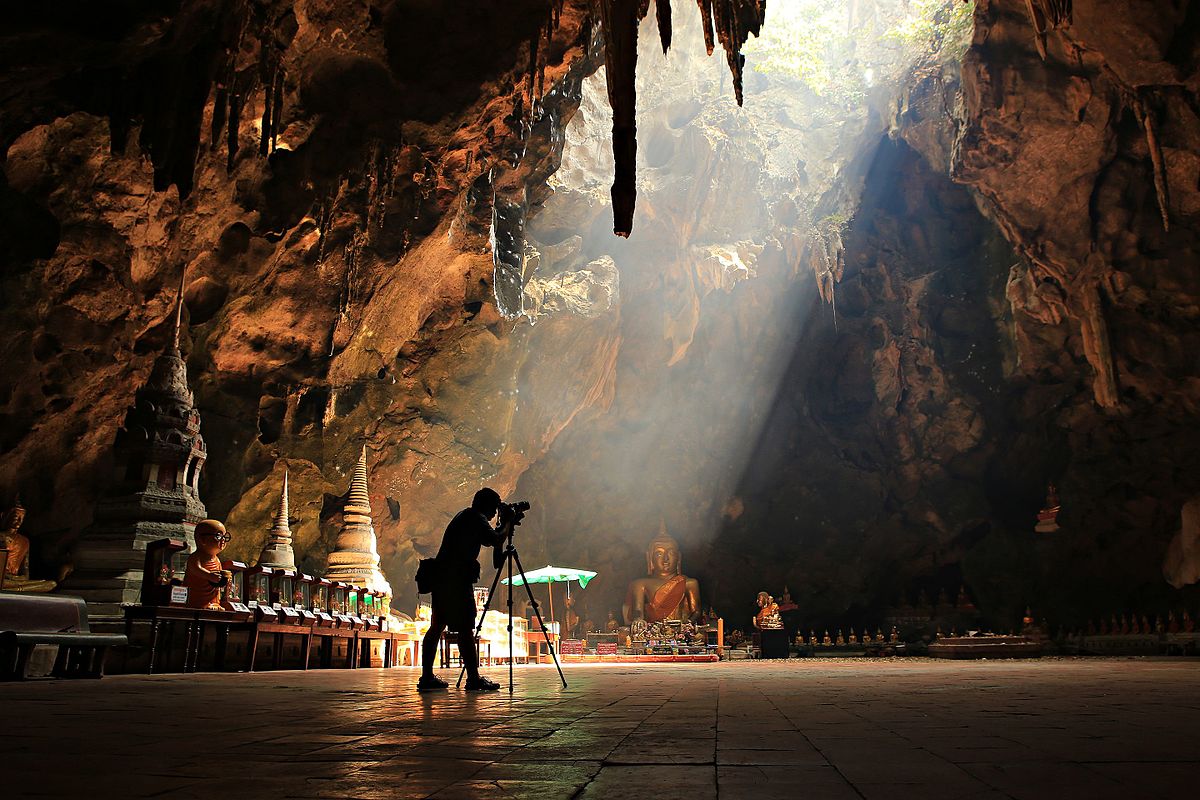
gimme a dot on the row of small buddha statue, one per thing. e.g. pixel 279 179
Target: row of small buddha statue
pixel 1131 625
pixel 844 641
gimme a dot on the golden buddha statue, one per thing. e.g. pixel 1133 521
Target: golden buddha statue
pixel 16 568
pixel 203 575
pixel 666 593
pixel 611 625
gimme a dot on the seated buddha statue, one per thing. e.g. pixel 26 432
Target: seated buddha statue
pixel 610 625
pixel 203 575
pixel 665 593
pixel 16 569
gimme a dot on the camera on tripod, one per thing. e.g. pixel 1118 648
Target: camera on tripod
pixel 514 511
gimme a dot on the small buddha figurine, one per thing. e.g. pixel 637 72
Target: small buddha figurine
pixel 812 637
pixel 866 636
pixel 1187 623
pixel 666 593
pixel 1159 627
pixel 203 575
pixel 1145 626
pixel 895 635
pixel 1114 627
pixel 1047 518
pixel 786 603
pixel 879 635
pixel 610 625
pixel 852 639
pixel 16 569
pixel 840 640
pixel 1172 623
pixel 825 640
pixel 571 623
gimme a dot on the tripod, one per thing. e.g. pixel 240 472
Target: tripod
pixel 509 558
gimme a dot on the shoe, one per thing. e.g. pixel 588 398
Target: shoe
pixel 481 684
pixel 431 683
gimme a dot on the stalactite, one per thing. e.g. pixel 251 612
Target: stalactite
pixel 1097 348
pixel 706 22
pixel 277 107
pixel 620 20
pixel 533 64
pixel 235 119
pixel 1156 160
pixel 662 13
pixel 220 106
pixel 735 20
pixel 1045 15
pixel 264 134
pixel 1039 27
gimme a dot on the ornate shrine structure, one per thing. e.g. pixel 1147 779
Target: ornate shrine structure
pixel 155 489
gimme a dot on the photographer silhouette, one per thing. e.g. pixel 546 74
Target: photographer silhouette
pixel 457 569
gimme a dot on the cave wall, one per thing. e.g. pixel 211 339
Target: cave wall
pixel 322 173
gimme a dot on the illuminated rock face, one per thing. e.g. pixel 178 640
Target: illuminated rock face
pixel 344 284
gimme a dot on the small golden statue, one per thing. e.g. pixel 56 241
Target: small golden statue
pixel 666 593
pixel 1047 518
pixel 16 569
pixel 825 640
pixel 767 618
pixel 840 640
pixel 611 625
pixel 203 575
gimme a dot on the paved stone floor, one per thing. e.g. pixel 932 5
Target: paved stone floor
pixel 801 729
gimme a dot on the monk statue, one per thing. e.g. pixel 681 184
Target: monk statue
pixel 203 575
pixel 665 593
pixel 16 569
pixel 767 617
pixel 611 625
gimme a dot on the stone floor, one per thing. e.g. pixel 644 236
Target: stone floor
pixel 808 729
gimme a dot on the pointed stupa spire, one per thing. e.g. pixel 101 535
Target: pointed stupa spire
pixel 355 557
pixel 359 501
pixel 178 311
pixel 278 550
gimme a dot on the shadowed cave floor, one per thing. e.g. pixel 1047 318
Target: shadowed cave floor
pixel 811 729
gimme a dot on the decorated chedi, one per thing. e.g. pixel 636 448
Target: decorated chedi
pixel 16 545
pixel 159 454
pixel 278 552
pixel 665 593
pixel 355 557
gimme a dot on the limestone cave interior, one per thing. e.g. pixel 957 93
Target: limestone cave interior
pixel 844 295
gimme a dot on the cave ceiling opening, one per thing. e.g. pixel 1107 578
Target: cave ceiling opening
pixel 742 209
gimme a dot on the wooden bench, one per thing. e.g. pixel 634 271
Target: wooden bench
pixel 28 620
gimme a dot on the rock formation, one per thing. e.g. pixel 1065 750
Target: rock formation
pixel 364 199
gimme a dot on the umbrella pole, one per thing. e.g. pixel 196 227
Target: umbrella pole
pixel 550 591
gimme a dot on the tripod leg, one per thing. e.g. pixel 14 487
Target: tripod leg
pixel 538 613
pixel 479 626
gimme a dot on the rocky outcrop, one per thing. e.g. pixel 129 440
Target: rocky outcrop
pixel 380 247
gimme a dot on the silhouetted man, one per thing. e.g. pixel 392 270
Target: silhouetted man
pixel 453 592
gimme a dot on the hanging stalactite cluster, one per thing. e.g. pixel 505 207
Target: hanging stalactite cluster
pixel 731 21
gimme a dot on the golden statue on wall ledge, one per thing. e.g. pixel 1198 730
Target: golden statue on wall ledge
pixel 16 567
pixel 666 593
